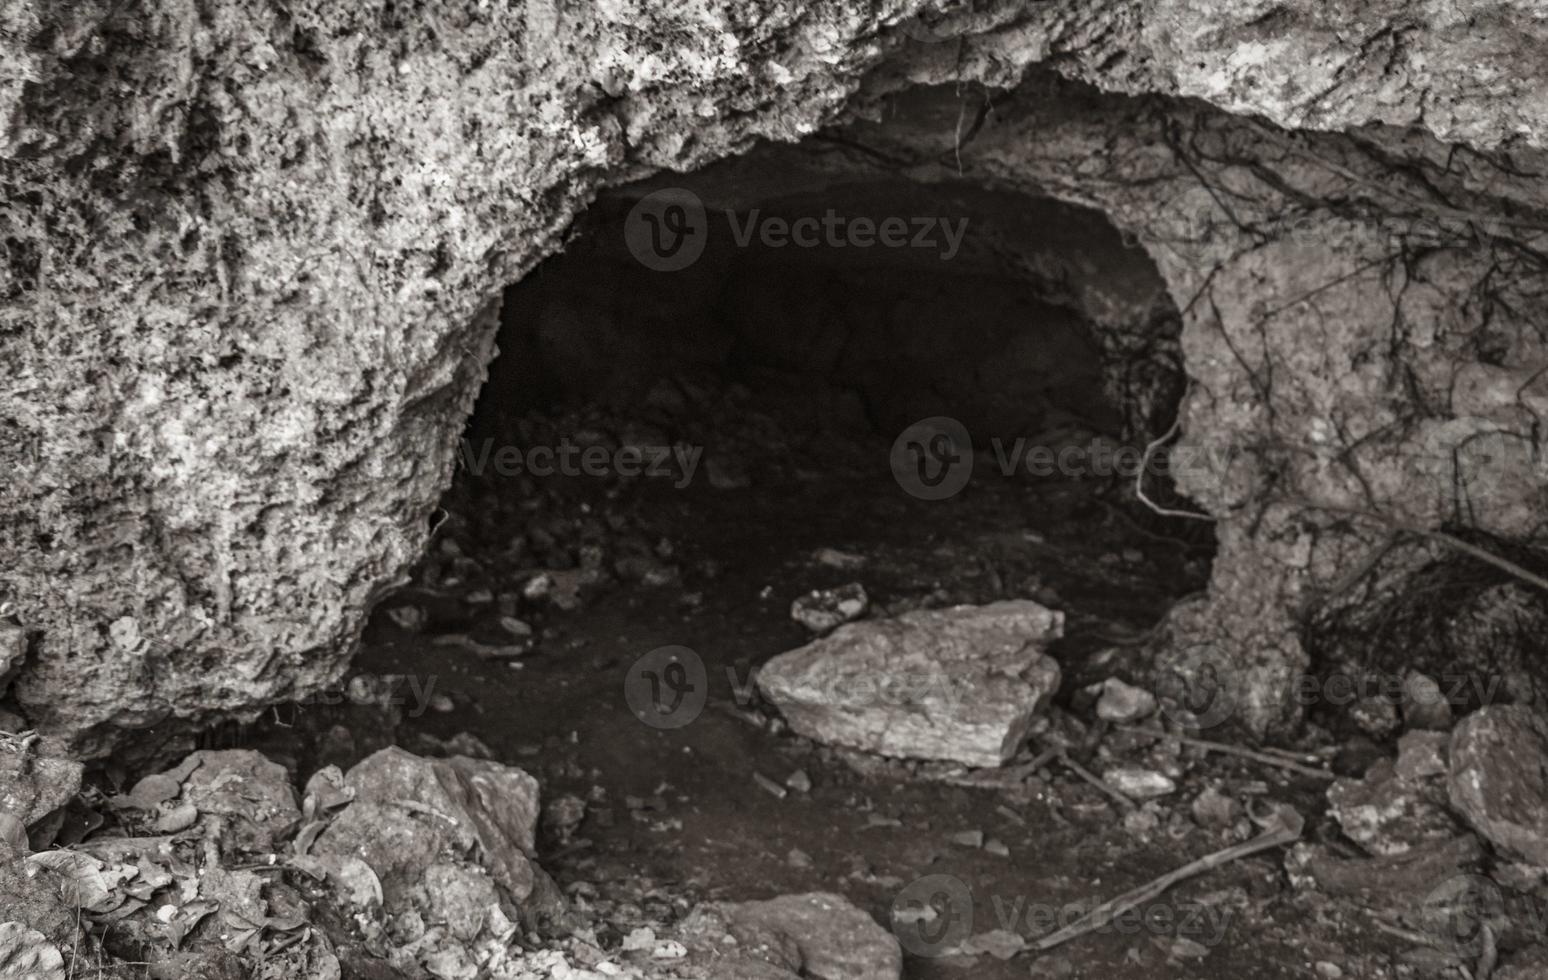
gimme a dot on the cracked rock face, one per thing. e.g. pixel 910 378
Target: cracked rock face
pixel 249 257
pixel 961 684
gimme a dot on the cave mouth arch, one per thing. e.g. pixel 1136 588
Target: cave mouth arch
pixel 671 452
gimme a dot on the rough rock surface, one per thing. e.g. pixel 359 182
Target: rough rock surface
pixel 479 803
pixel 246 789
pixel 248 256
pixel 32 788
pixel 819 935
pixel 962 683
pixel 1499 778
pixel 1398 805
pixel 1527 964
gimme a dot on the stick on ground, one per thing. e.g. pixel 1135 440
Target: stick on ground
pixel 1283 828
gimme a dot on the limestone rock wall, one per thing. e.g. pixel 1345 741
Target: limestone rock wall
pixel 248 256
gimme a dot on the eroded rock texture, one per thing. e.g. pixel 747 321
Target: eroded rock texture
pixel 251 254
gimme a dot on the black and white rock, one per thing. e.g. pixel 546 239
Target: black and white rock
pixel 1397 805
pixel 819 935
pixel 961 684
pixel 33 789
pixel 1122 702
pixel 1498 782
pixel 824 610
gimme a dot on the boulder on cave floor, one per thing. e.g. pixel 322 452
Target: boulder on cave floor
pixel 1497 780
pixel 961 684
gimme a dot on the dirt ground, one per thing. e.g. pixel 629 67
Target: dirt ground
pixel 662 817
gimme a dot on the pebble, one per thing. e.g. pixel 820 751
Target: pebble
pixel 1123 703
pixel 824 610
pixel 1138 782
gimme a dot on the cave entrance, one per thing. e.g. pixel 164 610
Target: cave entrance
pixel 672 449
pixel 728 389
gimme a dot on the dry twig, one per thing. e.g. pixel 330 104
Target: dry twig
pixel 1283 827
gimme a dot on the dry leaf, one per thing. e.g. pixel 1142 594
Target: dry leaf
pixel 26 954
pixel 85 881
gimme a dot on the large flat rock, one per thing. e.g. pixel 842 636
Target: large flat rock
pixel 961 684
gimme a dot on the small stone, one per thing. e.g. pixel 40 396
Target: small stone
pixel 640 939
pixel 1328 970
pixel 835 940
pixel 798 858
pixel 1424 704
pixel 1375 715
pixel 968 838
pixel 1123 703
pixel 1212 808
pixel 1139 783
pixel 1496 780
pixel 996 847
pixel 834 558
pixel 799 781
pixel 442 704
pixel 1396 806
pixel 824 610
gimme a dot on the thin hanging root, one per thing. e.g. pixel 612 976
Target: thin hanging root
pixel 1283 827
pixel 1441 537
pixel 1139 479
